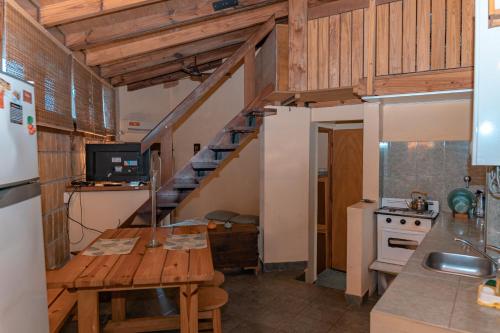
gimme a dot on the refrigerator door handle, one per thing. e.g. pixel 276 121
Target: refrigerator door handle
pixel 13 195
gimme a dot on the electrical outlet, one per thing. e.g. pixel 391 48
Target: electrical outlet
pixel 196 148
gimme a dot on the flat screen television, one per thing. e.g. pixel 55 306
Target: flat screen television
pixel 117 162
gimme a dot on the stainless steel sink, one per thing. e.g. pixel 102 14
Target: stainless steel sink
pixel 459 264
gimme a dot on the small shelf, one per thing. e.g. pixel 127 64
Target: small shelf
pixel 433 96
pixel 386 267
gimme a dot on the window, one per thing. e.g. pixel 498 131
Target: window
pixel 50 100
pixel 15 68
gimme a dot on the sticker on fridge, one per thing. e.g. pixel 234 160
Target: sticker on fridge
pixel 27 97
pixel 16 114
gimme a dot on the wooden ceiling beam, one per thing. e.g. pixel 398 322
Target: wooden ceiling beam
pixel 175 53
pixel 438 80
pixel 335 7
pixel 168 68
pixel 171 77
pixel 186 34
pixel 60 12
pixel 147 19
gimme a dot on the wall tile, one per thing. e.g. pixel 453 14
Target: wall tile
pixel 435 167
pixel 399 186
pixel 429 158
pixel 401 160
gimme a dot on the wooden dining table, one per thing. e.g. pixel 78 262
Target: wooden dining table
pixel 143 268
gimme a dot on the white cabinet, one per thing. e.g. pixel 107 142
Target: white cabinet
pixel 486 128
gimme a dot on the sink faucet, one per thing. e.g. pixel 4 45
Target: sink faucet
pixel 478 251
pixel 493 248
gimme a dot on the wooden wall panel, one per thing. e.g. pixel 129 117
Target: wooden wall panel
pixel 382 58
pixel 409 35
pixel 323 30
pixel 334 52
pixel 61 158
pixel 345 49
pixel 54 161
pixel 467 33
pixel 453 31
pixel 438 33
pixel 395 37
pixel 366 32
pixel 423 35
pixel 357 45
pixel 312 55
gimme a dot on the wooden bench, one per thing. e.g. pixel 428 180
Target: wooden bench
pixel 60 302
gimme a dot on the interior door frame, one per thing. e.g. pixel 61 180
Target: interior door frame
pixel 354 113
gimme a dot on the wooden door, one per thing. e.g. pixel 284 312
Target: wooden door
pixel 347 187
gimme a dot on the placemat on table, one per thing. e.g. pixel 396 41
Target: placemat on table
pixel 186 241
pixel 106 247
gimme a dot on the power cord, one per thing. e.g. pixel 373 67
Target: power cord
pixel 75 188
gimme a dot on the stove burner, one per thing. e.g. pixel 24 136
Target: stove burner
pixel 407 211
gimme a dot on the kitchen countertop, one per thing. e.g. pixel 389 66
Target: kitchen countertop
pixel 437 302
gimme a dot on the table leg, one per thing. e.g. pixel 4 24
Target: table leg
pixel 88 311
pixel 118 306
pixel 189 308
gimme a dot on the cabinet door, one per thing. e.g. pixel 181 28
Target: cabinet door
pixel 486 128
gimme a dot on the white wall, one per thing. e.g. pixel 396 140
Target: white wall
pixel 427 121
pixel 285 184
pixel 288 175
pixel 236 188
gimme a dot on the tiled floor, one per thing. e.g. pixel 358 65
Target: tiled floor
pixel 273 302
pixel 276 302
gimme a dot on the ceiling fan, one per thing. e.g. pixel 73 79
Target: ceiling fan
pixel 202 71
pixel 195 73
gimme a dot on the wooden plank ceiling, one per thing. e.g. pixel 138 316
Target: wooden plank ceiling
pixel 140 43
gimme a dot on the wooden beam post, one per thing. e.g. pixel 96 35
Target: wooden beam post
pixel 297 32
pixel 372 29
pixel 249 77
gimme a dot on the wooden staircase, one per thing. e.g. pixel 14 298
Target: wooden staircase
pixel 203 166
pixel 225 146
pixel 212 158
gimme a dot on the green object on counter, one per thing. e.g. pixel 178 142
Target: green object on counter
pixel 491 283
pixel 461 200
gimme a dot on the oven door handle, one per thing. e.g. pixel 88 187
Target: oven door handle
pixel 403 243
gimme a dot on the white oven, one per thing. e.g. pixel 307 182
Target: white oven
pixel 396 246
pixel 401 230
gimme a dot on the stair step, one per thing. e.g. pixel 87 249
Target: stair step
pixel 185 186
pixel 260 112
pixel 224 147
pixel 167 196
pixel 167 205
pixel 241 129
pixel 204 165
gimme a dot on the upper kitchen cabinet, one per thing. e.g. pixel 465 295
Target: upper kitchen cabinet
pixel 486 129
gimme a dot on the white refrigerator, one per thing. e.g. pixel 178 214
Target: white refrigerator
pixel 23 296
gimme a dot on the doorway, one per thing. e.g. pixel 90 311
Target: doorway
pixel 340 185
pixel 324 221
pixel 347 188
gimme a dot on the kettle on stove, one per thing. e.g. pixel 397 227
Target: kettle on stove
pixel 418 201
